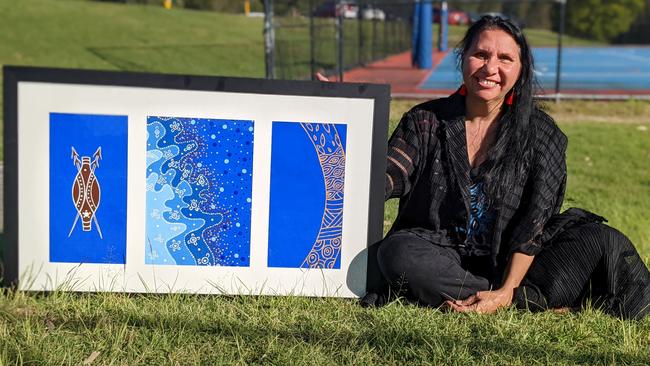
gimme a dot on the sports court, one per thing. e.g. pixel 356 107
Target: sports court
pixel 596 71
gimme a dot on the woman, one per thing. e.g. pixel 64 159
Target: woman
pixel 481 177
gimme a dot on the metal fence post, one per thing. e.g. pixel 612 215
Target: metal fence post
pixel 339 41
pixel 384 52
pixel 558 68
pixel 415 30
pixel 269 40
pixel 374 38
pixel 443 29
pixel 425 51
pixel 312 56
pixel 360 60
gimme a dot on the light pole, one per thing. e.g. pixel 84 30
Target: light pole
pixel 560 33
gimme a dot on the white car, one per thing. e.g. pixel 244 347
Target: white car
pixel 373 13
pixel 348 10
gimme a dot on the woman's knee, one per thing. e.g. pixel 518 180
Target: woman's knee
pixel 597 239
pixel 609 240
pixel 393 256
pixel 408 256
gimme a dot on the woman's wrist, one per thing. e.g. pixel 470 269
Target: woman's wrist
pixel 516 270
pixel 507 290
pixel 507 293
pixel 508 286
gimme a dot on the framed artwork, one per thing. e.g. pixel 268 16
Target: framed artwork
pixel 138 182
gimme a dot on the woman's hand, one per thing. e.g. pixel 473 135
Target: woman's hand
pixel 489 301
pixel 483 302
pixel 321 77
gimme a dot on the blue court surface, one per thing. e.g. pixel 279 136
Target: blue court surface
pixel 615 70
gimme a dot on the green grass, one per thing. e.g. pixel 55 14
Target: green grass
pixel 547 38
pixel 110 36
pixel 66 328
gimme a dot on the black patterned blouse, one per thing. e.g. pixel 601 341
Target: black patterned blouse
pixel 428 170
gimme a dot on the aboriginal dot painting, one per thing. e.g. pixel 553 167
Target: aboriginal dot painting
pixel 306 198
pixel 88 180
pixel 199 176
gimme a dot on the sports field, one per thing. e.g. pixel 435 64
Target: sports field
pixel 609 151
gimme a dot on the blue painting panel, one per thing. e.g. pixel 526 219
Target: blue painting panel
pixel 199 186
pixel 306 195
pixel 88 183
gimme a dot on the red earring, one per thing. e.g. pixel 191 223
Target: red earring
pixel 510 98
pixel 462 90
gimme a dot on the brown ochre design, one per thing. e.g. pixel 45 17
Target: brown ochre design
pixel 331 155
pixel 86 193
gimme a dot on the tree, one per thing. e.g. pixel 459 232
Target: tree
pixel 602 19
pixel 540 14
pixel 640 29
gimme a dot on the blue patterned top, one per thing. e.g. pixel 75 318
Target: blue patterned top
pixel 479 222
pixel 473 232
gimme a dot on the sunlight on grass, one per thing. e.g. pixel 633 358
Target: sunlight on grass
pixel 609 151
pixel 190 329
pixel 65 327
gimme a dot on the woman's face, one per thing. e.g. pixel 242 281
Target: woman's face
pixel 491 66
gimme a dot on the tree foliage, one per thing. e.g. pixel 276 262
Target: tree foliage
pixel 640 29
pixel 602 19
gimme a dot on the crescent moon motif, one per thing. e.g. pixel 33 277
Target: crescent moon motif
pixel 327 246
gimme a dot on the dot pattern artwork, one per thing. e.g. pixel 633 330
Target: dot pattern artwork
pixel 199 177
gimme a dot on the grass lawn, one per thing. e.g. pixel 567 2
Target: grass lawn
pixel 111 36
pixel 609 150
pixel 65 328
pixel 120 329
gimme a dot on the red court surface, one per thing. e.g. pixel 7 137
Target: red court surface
pixel 404 79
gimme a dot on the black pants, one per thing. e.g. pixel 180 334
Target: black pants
pixel 588 261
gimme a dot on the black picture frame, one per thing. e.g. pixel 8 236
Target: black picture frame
pixel 15 75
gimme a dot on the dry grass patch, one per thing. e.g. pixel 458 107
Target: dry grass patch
pixel 625 111
pixel 568 111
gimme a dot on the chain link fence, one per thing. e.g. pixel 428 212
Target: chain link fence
pixel 308 36
pixel 331 36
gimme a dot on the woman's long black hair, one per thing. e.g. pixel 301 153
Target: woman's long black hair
pixel 509 157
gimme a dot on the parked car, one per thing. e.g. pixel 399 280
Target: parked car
pixel 454 17
pixel 330 9
pixel 369 12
